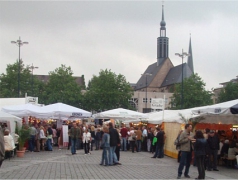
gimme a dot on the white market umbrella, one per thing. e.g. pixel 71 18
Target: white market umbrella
pixel 63 110
pixel 120 113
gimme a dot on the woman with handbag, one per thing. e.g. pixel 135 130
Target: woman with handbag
pixel 86 141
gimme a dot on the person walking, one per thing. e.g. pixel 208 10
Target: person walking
pixel 118 147
pixel 200 147
pixel 186 151
pixel 123 138
pixel 114 141
pixel 31 141
pixel 138 139
pixel 144 136
pixel 74 133
pixel 106 146
pixel 86 141
pixel 97 139
pixel 49 134
pixel 213 146
pixel 93 135
pixel 132 139
pixel 159 144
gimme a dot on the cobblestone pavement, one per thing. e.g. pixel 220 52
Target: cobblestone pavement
pixel 60 164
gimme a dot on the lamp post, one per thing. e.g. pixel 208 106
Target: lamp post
pixel 32 82
pixel 146 74
pixel 19 43
pixel 183 55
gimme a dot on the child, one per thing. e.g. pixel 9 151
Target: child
pixel 106 146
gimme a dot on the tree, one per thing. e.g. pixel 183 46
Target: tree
pixel 194 94
pixel 9 81
pixel 230 92
pixel 61 87
pixel 107 91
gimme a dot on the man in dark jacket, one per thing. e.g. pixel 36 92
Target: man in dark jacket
pixel 114 141
pixel 213 147
pixel 159 144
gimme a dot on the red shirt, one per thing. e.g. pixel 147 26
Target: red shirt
pixel 123 132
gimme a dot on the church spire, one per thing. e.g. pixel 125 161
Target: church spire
pixel 162 25
pixel 190 58
pixel 162 42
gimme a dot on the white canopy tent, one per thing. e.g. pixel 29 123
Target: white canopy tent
pixel 120 114
pixel 221 108
pixel 11 121
pixel 218 113
pixel 60 110
pixel 170 116
pixel 24 110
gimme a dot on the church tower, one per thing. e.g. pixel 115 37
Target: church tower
pixel 190 57
pixel 162 42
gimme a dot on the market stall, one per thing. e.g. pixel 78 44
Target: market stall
pixel 11 121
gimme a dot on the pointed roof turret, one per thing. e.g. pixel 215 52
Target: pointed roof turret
pixel 162 23
pixel 190 58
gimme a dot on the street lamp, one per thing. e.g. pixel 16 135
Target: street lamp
pixel 146 74
pixel 183 55
pixel 32 82
pixel 19 43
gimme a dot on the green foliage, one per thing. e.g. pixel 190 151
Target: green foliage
pixel 24 135
pixel 9 81
pixel 194 94
pixel 16 128
pixel 230 92
pixel 107 91
pixel 61 87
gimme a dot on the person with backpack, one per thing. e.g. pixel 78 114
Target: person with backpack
pixel 176 143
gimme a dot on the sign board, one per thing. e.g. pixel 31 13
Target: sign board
pixel 77 114
pixel 157 103
pixel 31 100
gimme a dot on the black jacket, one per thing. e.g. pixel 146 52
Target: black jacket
pixel 160 137
pixel 114 137
pixel 200 147
pixel 213 143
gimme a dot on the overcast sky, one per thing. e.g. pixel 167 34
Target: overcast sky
pixel 121 36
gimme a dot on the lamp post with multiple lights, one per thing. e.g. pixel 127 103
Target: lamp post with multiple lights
pixel 32 82
pixel 182 55
pixel 19 43
pixel 146 74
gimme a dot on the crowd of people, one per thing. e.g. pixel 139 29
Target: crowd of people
pixel 208 147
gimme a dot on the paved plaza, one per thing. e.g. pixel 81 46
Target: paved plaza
pixel 60 164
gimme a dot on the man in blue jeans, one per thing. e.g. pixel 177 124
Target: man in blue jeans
pixel 114 141
pixel 74 133
pixel 185 141
pixel 123 138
